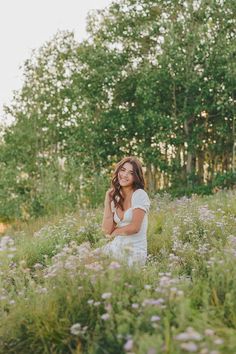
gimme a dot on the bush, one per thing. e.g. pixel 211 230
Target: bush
pixel 224 180
pixel 188 191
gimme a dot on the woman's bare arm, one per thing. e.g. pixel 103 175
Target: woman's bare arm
pixel 133 227
pixel 108 224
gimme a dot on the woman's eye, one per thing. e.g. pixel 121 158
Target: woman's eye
pixel 131 173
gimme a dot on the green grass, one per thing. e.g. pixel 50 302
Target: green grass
pixel 183 300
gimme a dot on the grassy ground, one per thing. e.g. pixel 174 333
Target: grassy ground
pixel 58 297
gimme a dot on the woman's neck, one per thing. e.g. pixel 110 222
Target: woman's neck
pixel 126 191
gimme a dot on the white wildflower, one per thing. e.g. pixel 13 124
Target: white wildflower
pixel 106 295
pixel 128 345
pixel 105 316
pixel 189 347
pixel 155 318
pixel 75 329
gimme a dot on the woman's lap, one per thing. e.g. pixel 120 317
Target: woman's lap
pixel 123 252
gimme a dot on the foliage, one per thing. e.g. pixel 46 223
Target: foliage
pixel 155 79
pixel 59 295
pixel 224 180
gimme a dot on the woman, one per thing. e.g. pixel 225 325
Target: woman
pixel 125 213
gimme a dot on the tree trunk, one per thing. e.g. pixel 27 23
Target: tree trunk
pixel 150 179
pixel 234 146
pixel 190 157
pixel 181 153
pixel 200 166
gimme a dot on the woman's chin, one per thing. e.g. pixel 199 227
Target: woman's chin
pixel 124 184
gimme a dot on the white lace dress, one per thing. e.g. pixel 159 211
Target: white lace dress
pixel 132 248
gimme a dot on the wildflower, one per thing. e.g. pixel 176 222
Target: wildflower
pixel 205 214
pixel 182 336
pixel 204 351
pixel 96 252
pixel 22 263
pixel 173 290
pixel 105 316
pixel 173 258
pixel 219 224
pixel 190 334
pixel 114 265
pixel 97 303
pixel 156 302
pixel 108 307
pixel 135 306
pixel 81 230
pixel 10 256
pixel 147 286
pixel 180 293
pixel 151 351
pixel 94 266
pixel 106 295
pixel 38 266
pixel 209 332
pixel 166 281
pixel 90 302
pixel 128 285
pixel 5 242
pixel 12 249
pixel 75 329
pixel 155 318
pixel 42 290
pixel 189 347
pixel 128 345
pixel 218 341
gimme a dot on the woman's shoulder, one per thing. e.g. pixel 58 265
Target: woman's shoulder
pixel 140 192
pixel 140 195
pixel 141 199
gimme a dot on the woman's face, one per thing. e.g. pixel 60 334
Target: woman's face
pixel 126 175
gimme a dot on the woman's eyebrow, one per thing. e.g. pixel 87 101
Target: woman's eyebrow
pixel 128 170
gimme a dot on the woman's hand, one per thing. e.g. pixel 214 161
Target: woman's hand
pixel 110 237
pixel 108 197
pixel 108 218
pixel 114 233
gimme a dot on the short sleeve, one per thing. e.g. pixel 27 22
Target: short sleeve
pixel 141 200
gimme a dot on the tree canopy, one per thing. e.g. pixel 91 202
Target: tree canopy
pixel 154 78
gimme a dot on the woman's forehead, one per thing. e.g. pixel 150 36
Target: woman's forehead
pixel 128 166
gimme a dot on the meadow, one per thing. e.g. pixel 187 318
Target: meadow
pixel 59 296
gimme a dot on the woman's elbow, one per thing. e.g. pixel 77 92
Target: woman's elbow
pixel 136 228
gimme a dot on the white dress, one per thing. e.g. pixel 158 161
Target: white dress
pixel 132 248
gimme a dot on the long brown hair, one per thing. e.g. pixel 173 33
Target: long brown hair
pixel 138 179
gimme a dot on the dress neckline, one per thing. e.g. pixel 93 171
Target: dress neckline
pixel 123 214
pixel 126 209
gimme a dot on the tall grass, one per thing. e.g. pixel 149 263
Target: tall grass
pixel 58 296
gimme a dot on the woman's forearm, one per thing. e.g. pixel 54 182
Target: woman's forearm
pixel 125 230
pixel 107 222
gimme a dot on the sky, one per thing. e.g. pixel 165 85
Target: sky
pixel 26 25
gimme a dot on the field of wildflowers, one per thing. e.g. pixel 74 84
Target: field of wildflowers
pixel 59 296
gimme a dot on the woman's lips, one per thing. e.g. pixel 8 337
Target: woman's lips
pixel 124 180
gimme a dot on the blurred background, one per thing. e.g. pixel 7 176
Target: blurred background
pixel 150 78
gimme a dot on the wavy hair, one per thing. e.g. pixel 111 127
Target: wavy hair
pixel 117 198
